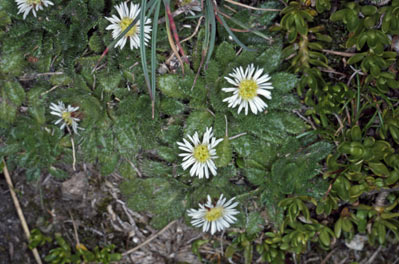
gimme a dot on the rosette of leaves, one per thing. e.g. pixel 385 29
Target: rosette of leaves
pixel 390 127
pixel 371 40
pixel 371 164
pixel 390 20
pixel 326 101
pixel 379 222
pixel 270 248
pixel 298 235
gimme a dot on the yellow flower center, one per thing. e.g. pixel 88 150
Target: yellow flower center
pixel 34 2
pixel 67 118
pixel 201 153
pixel 247 89
pixel 214 214
pixel 125 22
pixel 185 2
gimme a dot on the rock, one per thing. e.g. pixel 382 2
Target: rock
pixel 357 243
pixel 75 188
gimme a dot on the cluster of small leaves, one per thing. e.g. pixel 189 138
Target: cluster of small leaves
pixel 369 28
pixel 371 39
pixel 64 254
pixel 371 165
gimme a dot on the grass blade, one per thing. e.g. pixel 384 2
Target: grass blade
pixel 223 22
pixel 253 31
pixel 211 18
pixel 143 54
pixel 205 44
pixel 142 46
pixel 154 48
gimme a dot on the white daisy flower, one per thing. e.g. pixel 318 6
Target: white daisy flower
pixel 217 217
pixel 126 18
pixel 66 116
pixel 191 5
pixel 25 6
pixel 249 84
pixel 201 154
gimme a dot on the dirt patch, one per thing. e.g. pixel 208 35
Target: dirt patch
pixel 93 204
pixel 13 246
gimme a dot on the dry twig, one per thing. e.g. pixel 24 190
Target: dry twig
pixel 371 259
pixel 341 125
pixel 355 71
pixel 195 31
pixel 339 53
pixel 75 229
pixel 328 256
pixel 73 155
pixel 150 239
pixel 237 136
pixel 50 90
pixel 332 71
pixel 305 119
pixel 135 168
pixel 186 39
pixel 251 7
pixel 34 76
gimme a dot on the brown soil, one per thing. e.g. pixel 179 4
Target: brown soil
pixel 92 203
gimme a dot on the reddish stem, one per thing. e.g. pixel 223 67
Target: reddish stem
pixel 100 59
pixel 232 29
pixel 174 32
pixel 104 53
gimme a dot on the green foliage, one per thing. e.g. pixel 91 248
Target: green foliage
pixel 38 239
pixel 241 242
pixel 269 160
pixel 363 163
pixel 197 122
pixel 390 125
pixel 225 53
pixel 377 167
pixel 224 153
pixel 96 44
pixel 364 36
pixel 64 254
pixel 161 196
pixel 295 20
pixel 269 141
pixel 270 249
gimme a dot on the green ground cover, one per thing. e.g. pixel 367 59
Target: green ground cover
pixel 318 164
